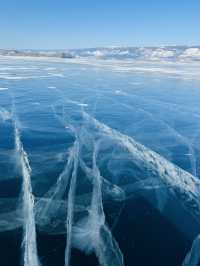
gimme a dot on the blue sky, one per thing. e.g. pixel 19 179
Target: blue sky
pixel 58 24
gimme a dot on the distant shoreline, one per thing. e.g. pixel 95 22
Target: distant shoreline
pixel 163 53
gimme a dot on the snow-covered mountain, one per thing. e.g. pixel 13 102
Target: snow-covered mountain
pixel 164 53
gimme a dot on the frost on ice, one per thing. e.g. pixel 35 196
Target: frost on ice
pixel 29 244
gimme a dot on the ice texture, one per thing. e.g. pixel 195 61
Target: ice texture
pixel 29 244
pixel 80 154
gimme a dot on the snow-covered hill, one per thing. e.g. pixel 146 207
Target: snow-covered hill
pixel 164 53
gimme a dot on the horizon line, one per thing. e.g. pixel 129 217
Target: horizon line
pixel 103 47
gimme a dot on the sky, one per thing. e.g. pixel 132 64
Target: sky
pixel 64 24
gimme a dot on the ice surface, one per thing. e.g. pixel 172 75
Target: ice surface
pixel 88 145
pixel 4 114
pixel 193 256
pixel 91 233
pixel 29 244
pixel 181 183
pixel 70 203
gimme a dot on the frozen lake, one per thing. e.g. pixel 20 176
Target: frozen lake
pixel 99 162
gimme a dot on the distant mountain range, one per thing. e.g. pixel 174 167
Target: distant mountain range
pixel 162 53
